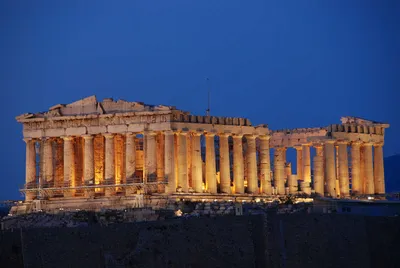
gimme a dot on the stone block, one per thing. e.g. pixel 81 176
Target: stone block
pixel 33 133
pixel 54 132
pixel 96 129
pixel 75 131
pixel 117 128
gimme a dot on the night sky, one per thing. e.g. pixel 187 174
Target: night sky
pixel 287 64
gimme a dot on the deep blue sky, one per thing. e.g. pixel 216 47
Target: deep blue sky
pixel 284 63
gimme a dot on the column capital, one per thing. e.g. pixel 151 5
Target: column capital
pixel 182 132
pixel 318 145
pixel 67 138
pixel 237 136
pixel 280 148
pixel 298 147
pixel 87 137
pixel 210 134
pixel 330 141
pixel 264 137
pixel 343 142
pixel 224 134
pixel 378 144
pixel 108 135
pixel 196 133
pixel 129 133
pixel 370 143
pixel 27 139
pixel 356 143
pixel 250 136
pixel 150 133
pixel 169 132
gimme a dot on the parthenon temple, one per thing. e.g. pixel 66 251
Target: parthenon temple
pixel 91 153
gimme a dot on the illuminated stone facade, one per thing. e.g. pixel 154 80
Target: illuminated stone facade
pixel 92 154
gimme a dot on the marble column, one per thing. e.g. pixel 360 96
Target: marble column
pixel 238 164
pixel 330 168
pixel 306 163
pixel 299 162
pixel 169 162
pixel 343 169
pixel 150 156
pixel 379 177
pixel 356 184
pixel 69 165
pixel 265 165
pixel 182 162
pixel 30 168
pixel 48 163
pixel 109 160
pixel 130 157
pixel 225 184
pixel 197 163
pixel 160 162
pixel 362 170
pixel 211 178
pixel 88 164
pixel 368 169
pixel 251 157
pixel 279 170
pixel 319 170
pixel 292 184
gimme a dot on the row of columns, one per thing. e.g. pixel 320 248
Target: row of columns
pixel 366 170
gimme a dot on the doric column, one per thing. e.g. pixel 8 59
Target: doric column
pixel 88 161
pixel 109 160
pixel 356 184
pixel 251 157
pixel 182 162
pixel 160 162
pixel 69 165
pixel 368 169
pixel 130 157
pixel 88 164
pixel 265 165
pixel 306 163
pixel 343 169
pixel 299 162
pixel 292 184
pixel 225 185
pixel 362 170
pixel 379 177
pixel 238 164
pixel 197 163
pixel 150 156
pixel 210 164
pixel 279 170
pixel 319 170
pixel 30 168
pixel 48 162
pixel 169 162
pixel 330 168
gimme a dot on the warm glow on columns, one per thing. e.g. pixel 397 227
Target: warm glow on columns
pixel 30 167
pixel 265 165
pixel 211 178
pixel 238 164
pixel 279 170
pixel 368 169
pixel 356 182
pixel 299 161
pixel 197 163
pixel 150 156
pixel 319 170
pixel 182 162
pixel 224 163
pixel 330 168
pixel 251 157
pixel 130 156
pixel 306 170
pixel 48 162
pixel 88 161
pixel 109 170
pixel 69 162
pixel 343 169
pixel 169 161
pixel 379 177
